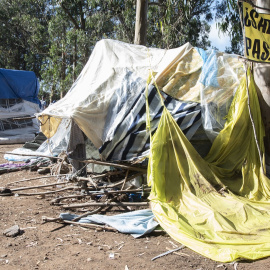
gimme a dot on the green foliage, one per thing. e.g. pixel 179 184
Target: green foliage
pixel 173 23
pixel 228 21
pixel 23 31
pixel 54 38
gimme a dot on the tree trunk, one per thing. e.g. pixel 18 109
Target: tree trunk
pixel 262 80
pixel 63 64
pixel 74 60
pixel 141 22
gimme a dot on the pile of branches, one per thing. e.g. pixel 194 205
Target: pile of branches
pixel 111 189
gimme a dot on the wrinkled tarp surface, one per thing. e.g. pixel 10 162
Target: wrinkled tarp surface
pixel 127 137
pixel 136 223
pixel 17 84
pixel 105 91
pixel 18 99
pixel 218 206
pixel 88 100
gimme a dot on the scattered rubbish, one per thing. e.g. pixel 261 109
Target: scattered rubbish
pixel 32 244
pixel 223 266
pixel 168 252
pixel 79 241
pixel 4 260
pixel 120 247
pixel 61 240
pixel 12 231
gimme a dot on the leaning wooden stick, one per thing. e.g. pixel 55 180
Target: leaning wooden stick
pixel 125 180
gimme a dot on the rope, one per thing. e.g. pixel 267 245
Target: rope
pixel 252 123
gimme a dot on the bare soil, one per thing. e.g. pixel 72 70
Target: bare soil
pixel 53 246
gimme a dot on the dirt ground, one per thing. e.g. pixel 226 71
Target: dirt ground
pixel 53 246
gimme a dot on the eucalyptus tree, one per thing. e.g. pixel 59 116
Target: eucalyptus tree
pixel 55 38
pixel 22 34
pixel 172 23
pixel 228 22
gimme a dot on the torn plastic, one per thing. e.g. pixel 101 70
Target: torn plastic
pixel 208 77
pixel 218 206
pixel 220 77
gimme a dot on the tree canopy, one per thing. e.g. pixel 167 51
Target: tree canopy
pixel 54 38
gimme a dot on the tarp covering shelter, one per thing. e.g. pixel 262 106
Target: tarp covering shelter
pixel 17 84
pixel 18 102
pixel 107 100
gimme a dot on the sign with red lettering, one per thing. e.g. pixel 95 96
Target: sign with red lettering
pixel 257 34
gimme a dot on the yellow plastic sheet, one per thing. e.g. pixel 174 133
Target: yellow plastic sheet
pixel 49 125
pixel 218 206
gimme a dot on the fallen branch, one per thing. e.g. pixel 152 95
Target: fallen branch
pixel 48 192
pixel 107 174
pixel 57 200
pixel 36 178
pixel 119 191
pixel 80 205
pixel 116 165
pixel 87 225
pixel 24 118
pixel 40 186
pixel 30 155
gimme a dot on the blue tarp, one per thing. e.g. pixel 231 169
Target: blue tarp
pixel 16 84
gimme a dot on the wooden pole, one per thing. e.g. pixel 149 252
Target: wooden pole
pixel 141 22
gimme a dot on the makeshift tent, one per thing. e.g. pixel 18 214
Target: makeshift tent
pixel 18 103
pixel 107 100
